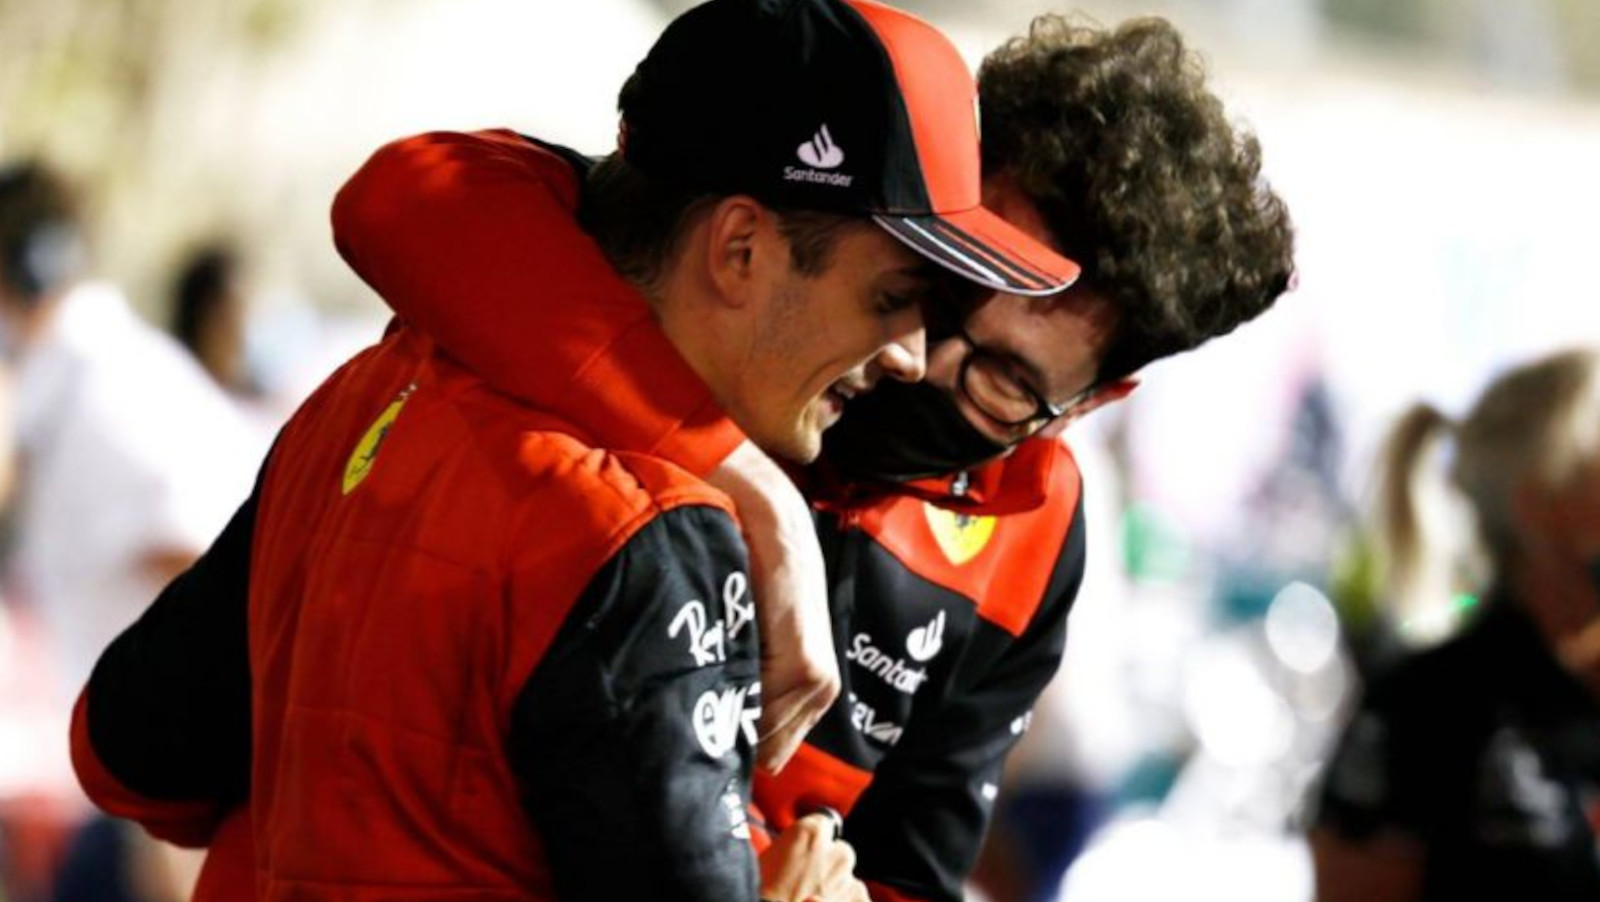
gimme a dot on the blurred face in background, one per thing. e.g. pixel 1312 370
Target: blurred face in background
pixel 1560 546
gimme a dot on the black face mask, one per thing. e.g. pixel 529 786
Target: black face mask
pixel 902 431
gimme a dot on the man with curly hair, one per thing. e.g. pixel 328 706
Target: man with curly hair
pixel 1109 144
pixel 1138 174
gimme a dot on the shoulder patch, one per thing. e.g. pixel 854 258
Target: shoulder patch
pixel 366 450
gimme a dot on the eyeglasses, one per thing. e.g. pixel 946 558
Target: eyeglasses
pixel 991 381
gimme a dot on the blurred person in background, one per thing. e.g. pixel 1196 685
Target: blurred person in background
pixel 576 721
pixel 209 318
pixel 127 449
pixel 128 464
pixel 1471 770
pixel 950 513
pixel 209 315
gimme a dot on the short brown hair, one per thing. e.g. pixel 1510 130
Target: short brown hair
pixel 1141 178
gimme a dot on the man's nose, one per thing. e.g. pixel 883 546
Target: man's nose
pixel 906 359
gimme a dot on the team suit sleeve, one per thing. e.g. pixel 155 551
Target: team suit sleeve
pixel 472 238
pixel 919 825
pixel 161 731
pixel 634 736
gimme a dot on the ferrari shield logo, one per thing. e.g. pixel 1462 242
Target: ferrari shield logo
pixel 960 536
pixel 366 452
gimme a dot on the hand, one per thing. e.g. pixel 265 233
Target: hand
pixel 799 666
pixel 809 863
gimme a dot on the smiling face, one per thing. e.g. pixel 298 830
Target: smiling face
pixel 821 339
pixel 1049 348
pixel 1000 369
pixel 1041 348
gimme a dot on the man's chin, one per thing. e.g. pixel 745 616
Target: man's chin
pixel 800 446
pixel 804 450
pixel 806 444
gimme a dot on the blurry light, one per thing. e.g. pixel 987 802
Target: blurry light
pixel 1117 865
pixel 1235 713
pixel 17 756
pixel 1321 696
pixel 1439 620
pixel 1148 858
pixel 1154 546
pixel 1435 622
pixel 33 753
pixel 1302 628
pixel 8 648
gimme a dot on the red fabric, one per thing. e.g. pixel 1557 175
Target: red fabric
pixel 881 893
pixel 1005 570
pixel 812 778
pixel 457 231
pixel 229 867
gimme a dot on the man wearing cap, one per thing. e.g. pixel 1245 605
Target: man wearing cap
pixel 486 654
pixel 950 592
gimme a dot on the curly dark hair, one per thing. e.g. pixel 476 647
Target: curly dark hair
pixel 1141 177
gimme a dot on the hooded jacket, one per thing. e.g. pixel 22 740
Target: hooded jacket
pixel 449 649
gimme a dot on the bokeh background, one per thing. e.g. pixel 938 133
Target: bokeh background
pixel 1439 158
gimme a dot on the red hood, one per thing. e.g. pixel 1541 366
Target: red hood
pixel 471 238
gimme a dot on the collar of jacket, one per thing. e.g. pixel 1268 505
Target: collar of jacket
pixel 1018 482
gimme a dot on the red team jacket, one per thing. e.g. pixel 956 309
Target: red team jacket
pixel 950 597
pixel 448 649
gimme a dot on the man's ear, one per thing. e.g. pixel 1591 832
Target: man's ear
pixel 734 238
pixel 1109 393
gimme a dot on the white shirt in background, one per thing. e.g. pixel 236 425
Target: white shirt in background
pixel 128 449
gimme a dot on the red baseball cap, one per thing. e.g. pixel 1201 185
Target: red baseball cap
pixel 848 106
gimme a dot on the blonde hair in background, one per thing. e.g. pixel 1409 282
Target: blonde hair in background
pixel 1445 489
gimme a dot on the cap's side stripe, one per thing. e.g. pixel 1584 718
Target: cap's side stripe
pixel 951 250
pixel 1016 273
